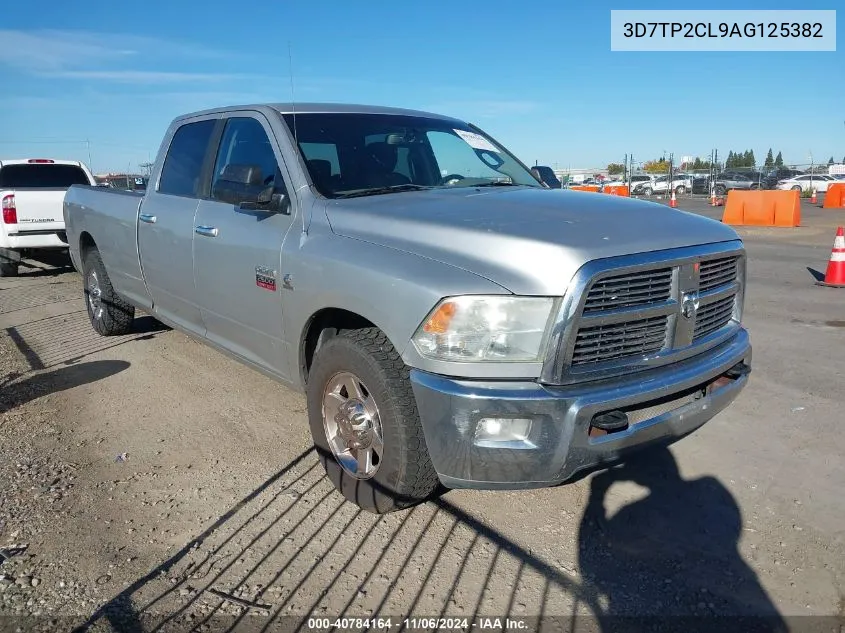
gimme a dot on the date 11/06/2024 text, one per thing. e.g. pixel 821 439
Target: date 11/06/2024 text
pixel 422 623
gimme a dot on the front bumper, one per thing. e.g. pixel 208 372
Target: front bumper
pixel 662 405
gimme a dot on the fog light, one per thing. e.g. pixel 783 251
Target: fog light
pixel 503 429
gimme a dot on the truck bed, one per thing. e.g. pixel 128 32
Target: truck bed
pixel 113 213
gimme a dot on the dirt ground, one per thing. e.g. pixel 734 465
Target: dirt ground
pixel 147 482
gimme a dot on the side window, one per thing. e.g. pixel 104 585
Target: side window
pixel 245 164
pixel 182 170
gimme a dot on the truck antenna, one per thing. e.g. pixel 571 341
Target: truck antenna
pixel 292 97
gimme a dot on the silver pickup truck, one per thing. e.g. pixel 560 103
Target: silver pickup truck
pixel 453 322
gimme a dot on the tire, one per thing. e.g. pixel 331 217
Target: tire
pixel 720 190
pixel 109 314
pixel 648 191
pixel 680 190
pixel 404 475
pixel 796 188
pixel 8 269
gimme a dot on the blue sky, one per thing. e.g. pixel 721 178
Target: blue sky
pixel 540 77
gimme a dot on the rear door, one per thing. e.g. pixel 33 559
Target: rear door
pixel 237 252
pixel 39 189
pixel 166 223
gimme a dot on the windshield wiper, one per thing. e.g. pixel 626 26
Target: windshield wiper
pixel 379 190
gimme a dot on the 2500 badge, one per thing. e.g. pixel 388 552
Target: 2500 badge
pixel 265 278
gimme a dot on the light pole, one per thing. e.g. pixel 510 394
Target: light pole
pixel 811 172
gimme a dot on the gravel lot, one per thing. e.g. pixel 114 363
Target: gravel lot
pixel 145 476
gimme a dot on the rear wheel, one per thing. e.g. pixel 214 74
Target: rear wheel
pixel 680 190
pixel 8 269
pixel 720 190
pixel 796 187
pixel 365 425
pixel 109 314
pixel 648 191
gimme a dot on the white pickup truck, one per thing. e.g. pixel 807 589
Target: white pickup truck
pixel 32 191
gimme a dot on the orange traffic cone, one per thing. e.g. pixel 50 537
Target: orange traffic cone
pixel 835 274
pixel 673 202
pixel 713 198
pixel 813 198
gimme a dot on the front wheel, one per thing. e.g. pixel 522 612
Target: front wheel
pixel 648 191
pixel 365 424
pixel 680 190
pixel 720 190
pixel 109 314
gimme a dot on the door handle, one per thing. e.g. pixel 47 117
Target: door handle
pixel 145 217
pixel 208 231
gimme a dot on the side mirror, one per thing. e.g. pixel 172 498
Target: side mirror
pixel 268 201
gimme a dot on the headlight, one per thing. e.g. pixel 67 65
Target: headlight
pixel 486 329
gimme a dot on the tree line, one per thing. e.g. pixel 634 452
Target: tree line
pixel 734 160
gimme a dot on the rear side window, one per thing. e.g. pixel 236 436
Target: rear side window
pixel 42 175
pixel 182 170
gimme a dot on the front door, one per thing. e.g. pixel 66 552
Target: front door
pixel 237 252
pixel 166 227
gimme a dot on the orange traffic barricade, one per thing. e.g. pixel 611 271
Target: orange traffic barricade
pixel 763 208
pixel 835 196
pixel 620 190
pixel 594 188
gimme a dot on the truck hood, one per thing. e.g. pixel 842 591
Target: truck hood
pixel 527 240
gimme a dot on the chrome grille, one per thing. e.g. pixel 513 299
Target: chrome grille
pixel 629 289
pixel 600 343
pixel 713 316
pixel 717 272
pixel 626 315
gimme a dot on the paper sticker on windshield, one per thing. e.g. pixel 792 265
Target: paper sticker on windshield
pixel 476 140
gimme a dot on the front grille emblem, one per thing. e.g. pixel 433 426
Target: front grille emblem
pixel 689 304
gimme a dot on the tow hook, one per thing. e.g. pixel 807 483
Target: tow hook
pixel 738 371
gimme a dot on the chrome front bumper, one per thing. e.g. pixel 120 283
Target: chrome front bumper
pixel 662 404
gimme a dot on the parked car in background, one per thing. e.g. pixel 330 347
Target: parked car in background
pixel 807 182
pixel 774 176
pixel 701 183
pixel 663 184
pixel 547 176
pixel 635 180
pixel 32 191
pixel 728 180
pixel 441 336
pixel 660 185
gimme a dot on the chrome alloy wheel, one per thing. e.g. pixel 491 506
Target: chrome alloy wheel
pixel 352 424
pixel 95 295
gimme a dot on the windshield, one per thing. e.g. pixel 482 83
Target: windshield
pixel 353 154
pixel 45 176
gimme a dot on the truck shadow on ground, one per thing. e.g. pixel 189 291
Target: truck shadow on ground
pixel 17 390
pixel 46 264
pixel 293 546
pixel 68 338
